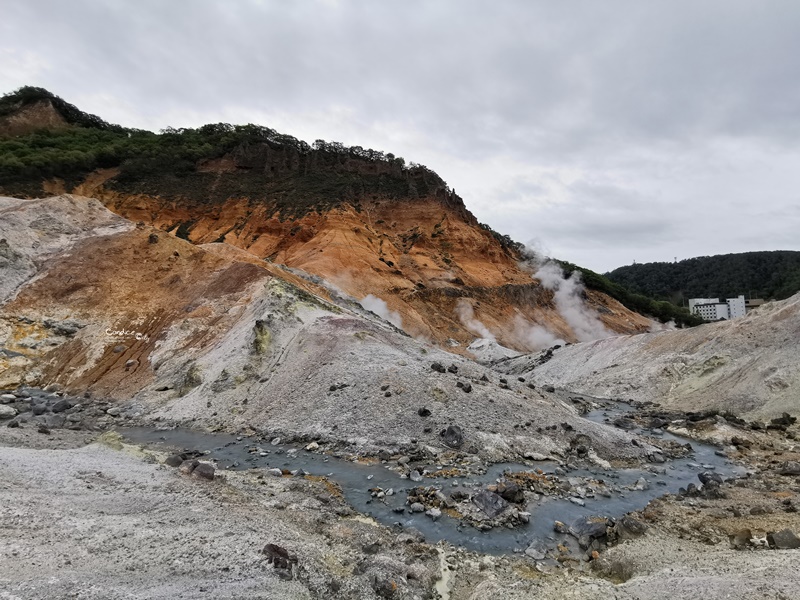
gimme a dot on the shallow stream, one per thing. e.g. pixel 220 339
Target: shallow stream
pixel 356 480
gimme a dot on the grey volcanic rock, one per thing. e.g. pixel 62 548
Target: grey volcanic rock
pixel 204 470
pixel 490 503
pixel 784 540
pixel 453 436
pixel 747 365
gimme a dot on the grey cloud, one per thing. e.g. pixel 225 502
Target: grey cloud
pixel 629 99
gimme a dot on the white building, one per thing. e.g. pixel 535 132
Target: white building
pixel 712 309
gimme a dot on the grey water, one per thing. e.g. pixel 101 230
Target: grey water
pixel 356 480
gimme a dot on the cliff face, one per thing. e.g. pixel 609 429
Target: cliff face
pixel 442 277
pixel 365 224
pixel 28 118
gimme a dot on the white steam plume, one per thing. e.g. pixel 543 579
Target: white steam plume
pixel 534 337
pixel 568 298
pixel 467 317
pixel 380 308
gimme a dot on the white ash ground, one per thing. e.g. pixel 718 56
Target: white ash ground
pixel 99 522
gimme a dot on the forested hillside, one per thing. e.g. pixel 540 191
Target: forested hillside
pixel 769 275
pixel 47 143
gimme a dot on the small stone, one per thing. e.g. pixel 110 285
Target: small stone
pixel 312 446
pixel 8 397
pixel 577 501
pixel 534 456
pixel 114 411
pixel 438 367
pixel 466 388
pixel 43 429
pixel 415 475
pixel 417 507
pixel 641 485
pixel 535 553
pixel 424 412
pixel 174 460
pixel 434 513
pixel 189 465
pixel 7 412
pixel 707 476
pixel 275 472
pixel 60 406
pixel 275 441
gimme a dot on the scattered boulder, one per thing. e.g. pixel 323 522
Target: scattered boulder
pixel 511 492
pixel 434 513
pixel 741 539
pixel 423 412
pixel 7 412
pixel 490 503
pixel 280 558
pixel 187 466
pixel 785 420
pixel 453 437
pixel 628 528
pixel 588 529
pixel 783 540
pixel 174 460
pixel 625 423
pixel 790 468
pixel 438 367
pixel 707 476
pixel 560 527
pixel 204 470
pixel 60 406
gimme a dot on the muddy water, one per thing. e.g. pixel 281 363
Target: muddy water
pixel 356 480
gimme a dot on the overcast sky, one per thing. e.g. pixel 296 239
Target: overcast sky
pixel 605 132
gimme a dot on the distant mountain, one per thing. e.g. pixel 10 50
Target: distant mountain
pixel 769 275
